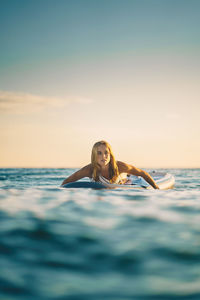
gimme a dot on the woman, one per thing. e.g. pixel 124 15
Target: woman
pixel 104 168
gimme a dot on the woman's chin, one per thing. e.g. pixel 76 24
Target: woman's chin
pixel 103 165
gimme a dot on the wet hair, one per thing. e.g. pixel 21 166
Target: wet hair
pixel 113 168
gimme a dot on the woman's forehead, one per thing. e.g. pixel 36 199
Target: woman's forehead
pixel 102 148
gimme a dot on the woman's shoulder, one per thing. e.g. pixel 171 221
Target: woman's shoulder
pixel 121 164
pixel 123 167
pixel 87 170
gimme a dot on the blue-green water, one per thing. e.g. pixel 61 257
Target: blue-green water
pixel 98 244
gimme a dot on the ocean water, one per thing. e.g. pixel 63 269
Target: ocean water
pixel 98 244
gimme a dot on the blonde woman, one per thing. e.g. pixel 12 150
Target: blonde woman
pixel 105 169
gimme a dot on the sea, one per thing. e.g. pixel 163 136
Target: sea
pixel 86 244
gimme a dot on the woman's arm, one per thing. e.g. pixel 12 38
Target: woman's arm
pixel 125 168
pixel 83 172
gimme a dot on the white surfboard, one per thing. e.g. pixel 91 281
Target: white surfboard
pixel 163 180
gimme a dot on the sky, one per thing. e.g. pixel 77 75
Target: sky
pixel 73 72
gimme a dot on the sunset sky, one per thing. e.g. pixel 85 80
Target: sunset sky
pixel 73 72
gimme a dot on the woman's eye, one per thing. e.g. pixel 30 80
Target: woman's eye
pixel 99 152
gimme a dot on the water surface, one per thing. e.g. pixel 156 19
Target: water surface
pixel 98 244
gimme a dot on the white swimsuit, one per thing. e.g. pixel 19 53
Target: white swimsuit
pixel 106 181
pixel 117 181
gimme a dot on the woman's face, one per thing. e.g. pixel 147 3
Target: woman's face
pixel 103 155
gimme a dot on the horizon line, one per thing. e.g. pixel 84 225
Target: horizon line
pixel 23 167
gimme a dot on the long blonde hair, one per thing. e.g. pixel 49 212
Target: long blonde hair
pixel 113 168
